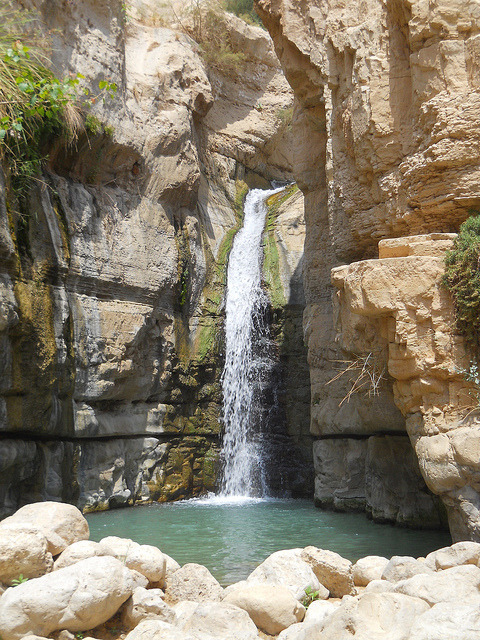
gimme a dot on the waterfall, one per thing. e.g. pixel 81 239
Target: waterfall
pixel 246 336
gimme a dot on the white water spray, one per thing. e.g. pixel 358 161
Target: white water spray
pixel 243 469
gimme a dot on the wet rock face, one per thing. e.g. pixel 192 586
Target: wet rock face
pixel 111 284
pixel 385 135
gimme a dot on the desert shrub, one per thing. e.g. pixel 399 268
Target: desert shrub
pixel 207 26
pixel 286 117
pixel 462 278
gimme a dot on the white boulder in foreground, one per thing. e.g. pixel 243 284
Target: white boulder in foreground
pixel 77 551
pixel 75 598
pixel 315 619
pixel 376 616
pixel 144 558
pixel 157 630
pixel 192 582
pixel 23 553
pixel 146 604
pixel 271 607
pixel 287 569
pixel 447 622
pixel 402 568
pixel 218 621
pixel 333 571
pixel 458 554
pixel 367 569
pixel 459 584
pixel 60 523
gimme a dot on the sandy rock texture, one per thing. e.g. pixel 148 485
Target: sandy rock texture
pixel 399 296
pixel 111 337
pixel 60 524
pixel 192 582
pixel 76 598
pixel 272 608
pixel 387 139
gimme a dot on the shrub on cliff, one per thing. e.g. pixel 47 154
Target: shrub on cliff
pixel 462 278
pixel 243 9
pixel 35 106
pixel 208 27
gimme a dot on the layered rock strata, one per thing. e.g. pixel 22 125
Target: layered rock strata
pixel 112 278
pixel 400 298
pixel 386 145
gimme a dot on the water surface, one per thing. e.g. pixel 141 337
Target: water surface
pixel 231 537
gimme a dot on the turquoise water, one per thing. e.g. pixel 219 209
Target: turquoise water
pixel 232 537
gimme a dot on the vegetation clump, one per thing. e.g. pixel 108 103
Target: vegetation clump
pixel 208 27
pixel 462 278
pixel 35 106
pixel 243 9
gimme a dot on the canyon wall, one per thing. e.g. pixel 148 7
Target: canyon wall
pixel 386 145
pixel 112 276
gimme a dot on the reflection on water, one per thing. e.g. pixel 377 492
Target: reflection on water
pixel 231 536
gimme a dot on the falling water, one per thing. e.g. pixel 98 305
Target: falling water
pixel 246 335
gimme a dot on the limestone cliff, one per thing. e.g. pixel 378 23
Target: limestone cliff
pixel 112 281
pixel 386 145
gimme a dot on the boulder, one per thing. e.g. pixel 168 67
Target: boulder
pixel 380 586
pixel 316 617
pixel 184 609
pixel 76 598
pixel 458 584
pixel 374 616
pixel 139 580
pixel 271 607
pixel 403 567
pixel 157 630
pixel 77 551
pixel 446 622
pixel 144 558
pixel 61 524
pixel 219 621
pixel 171 565
pixel 146 604
pixel 288 569
pixel 459 553
pixel 192 582
pixel 367 569
pixel 334 572
pixel 23 553
pixel 318 611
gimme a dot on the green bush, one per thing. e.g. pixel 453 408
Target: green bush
pixel 35 106
pixel 462 278
pixel 243 9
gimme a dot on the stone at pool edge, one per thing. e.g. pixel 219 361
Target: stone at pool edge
pixel 61 523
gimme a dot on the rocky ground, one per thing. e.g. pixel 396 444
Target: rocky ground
pixel 58 584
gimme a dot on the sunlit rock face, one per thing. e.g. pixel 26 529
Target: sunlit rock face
pixel 386 145
pixel 111 286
